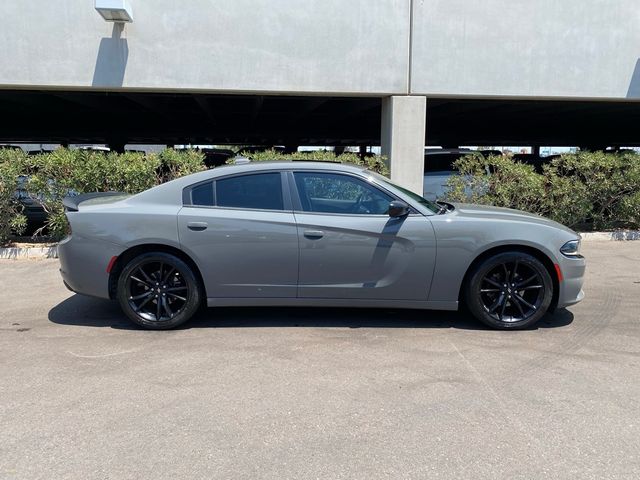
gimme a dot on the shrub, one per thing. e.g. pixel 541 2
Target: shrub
pixel 374 163
pixel 57 174
pixel 12 163
pixel 178 163
pixel 498 181
pixel 587 190
pixel 595 188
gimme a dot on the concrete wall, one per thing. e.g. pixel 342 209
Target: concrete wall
pixel 323 46
pixel 530 48
pixel 524 48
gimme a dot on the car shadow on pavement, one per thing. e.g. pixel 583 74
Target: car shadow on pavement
pixel 79 310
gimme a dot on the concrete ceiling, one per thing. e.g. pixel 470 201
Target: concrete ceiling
pixel 175 118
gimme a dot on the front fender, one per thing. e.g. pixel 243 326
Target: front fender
pixel 460 240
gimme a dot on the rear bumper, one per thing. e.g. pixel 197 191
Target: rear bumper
pixel 83 265
pixel 570 291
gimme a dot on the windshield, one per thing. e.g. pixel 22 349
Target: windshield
pixel 414 196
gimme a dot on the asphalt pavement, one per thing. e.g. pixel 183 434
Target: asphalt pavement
pixel 296 393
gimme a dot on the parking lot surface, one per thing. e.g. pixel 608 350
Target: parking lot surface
pixel 319 393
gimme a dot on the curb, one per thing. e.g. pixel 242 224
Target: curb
pixel 615 236
pixel 23 253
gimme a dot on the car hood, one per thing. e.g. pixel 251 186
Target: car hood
pixel 498 213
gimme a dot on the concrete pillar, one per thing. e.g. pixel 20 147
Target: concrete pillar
pixel 402 139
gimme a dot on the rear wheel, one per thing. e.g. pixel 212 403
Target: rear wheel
pixel 509 291
pixel 158 291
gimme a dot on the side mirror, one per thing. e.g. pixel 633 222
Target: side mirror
pixel 398 208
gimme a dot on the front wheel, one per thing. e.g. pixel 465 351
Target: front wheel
pixel 158 291
pixel 509 291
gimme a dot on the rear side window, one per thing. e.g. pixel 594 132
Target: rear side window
pixel 260 191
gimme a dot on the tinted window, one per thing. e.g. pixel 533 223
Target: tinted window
pixel 335 193
pixel 202 194
pixel 441 162
pixel 263 191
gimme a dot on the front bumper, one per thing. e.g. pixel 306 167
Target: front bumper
pixel 83 265
pixel 570 291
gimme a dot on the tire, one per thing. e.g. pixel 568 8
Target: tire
pixel 159 291
pixel 514 304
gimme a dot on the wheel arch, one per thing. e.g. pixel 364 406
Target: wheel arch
pixel 132 252
pixel 535 252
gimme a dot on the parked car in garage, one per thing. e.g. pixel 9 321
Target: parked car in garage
pixel 313 234
pixel 438 169
pixel 95 148
pixel 215 157
pixel 39 151
pixel 536 161
pixel 32 207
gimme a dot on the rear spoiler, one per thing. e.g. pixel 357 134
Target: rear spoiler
pixel 71 203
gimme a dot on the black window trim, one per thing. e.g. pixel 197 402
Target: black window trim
pixel 284 185
pixel 297 204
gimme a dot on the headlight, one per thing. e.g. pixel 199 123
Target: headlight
pixel 571 248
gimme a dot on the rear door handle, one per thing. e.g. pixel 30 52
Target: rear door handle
pixel 314 234
pixel 197 226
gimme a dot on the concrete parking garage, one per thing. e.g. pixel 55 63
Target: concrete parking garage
pixel 399 74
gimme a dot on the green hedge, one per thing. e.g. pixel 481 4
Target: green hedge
pixel 585 191
pixel 12 164
pixel 53 175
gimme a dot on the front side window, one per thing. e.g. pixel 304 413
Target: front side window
pixel 335 193
pixel 261 191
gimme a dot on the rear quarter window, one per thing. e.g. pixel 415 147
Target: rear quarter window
pixel 202 194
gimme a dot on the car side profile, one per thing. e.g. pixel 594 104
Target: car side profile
pixel 313 234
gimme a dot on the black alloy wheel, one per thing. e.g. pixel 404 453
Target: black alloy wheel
pixel 509 291
pixel 158 291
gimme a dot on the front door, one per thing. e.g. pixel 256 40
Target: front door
pixel 351 248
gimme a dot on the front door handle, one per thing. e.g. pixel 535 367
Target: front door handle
pixel 197 226
pixel 313 234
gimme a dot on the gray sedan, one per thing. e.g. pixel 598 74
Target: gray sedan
pixel 313 234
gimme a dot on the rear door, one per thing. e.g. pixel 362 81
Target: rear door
pixel 241 231
pixel 351 248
